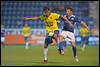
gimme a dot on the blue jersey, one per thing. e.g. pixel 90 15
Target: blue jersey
pixel 2 32
pixel 74 20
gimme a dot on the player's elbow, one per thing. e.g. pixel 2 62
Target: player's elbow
pixel 72 26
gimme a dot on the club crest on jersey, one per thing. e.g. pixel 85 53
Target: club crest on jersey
pixel 72 18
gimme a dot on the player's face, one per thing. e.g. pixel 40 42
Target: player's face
pixel 46 13
pixel 68 12
pixel 26 24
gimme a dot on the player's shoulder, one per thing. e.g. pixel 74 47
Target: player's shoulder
pixel 74 16
pixel 55 14
pixel 42 15
pixel 23 27
pixel 28 27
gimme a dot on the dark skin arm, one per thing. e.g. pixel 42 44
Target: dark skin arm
pixel 32 18
pixel 84 24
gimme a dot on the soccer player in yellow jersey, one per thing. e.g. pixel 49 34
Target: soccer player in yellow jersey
pixel 51 28
pixel 26 32
pixel 84 37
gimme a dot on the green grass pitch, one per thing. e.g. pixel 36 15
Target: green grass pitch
pixel 19 56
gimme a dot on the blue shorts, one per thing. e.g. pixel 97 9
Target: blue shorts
pixel 55 32
pixel 48 38
pixel 26 38
pixel 84 39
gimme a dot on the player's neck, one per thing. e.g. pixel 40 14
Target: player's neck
pixel 69 15
pixel 48 15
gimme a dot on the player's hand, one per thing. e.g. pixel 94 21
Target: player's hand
pixel 88 29
pixel 64 17
pixel 26 18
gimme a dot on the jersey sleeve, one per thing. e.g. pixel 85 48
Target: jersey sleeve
pixel 77 20
pixel 42 17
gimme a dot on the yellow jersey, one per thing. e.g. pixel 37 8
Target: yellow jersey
pixel 83 32
pixel 51 22
pixel 26 31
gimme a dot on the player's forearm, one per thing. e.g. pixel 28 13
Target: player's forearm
pixel 83 24
pixel 67 21
pixel 28 18
pixel 71 25
pixel 33 18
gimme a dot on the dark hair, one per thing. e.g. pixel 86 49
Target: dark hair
pixel 46 9
pixel 70 8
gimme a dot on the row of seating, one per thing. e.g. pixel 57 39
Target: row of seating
pixel 13 12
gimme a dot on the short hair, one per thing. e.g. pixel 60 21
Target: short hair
pixel 70 8
pixel 46 9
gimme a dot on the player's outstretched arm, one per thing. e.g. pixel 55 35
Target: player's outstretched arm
pixel 84 24
pixel 32 18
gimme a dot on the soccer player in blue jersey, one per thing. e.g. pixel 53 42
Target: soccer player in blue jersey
pixel 2 35
pixel 70 21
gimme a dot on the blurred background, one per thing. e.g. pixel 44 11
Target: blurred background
pixel 13 12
